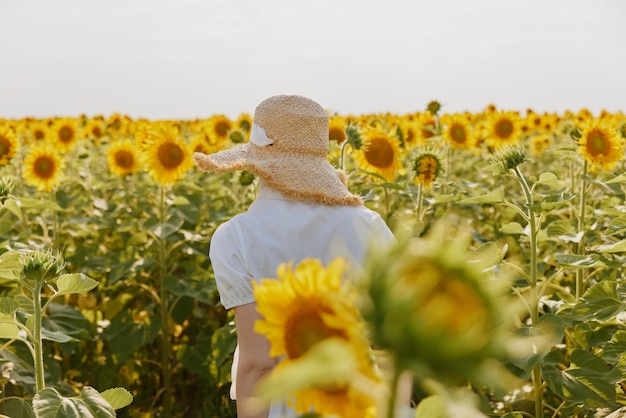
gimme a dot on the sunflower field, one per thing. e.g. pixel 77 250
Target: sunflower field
pixel 508 280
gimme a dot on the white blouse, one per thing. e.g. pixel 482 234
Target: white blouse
pixel 277 229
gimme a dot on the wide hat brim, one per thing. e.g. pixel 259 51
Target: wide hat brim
pixel 296 175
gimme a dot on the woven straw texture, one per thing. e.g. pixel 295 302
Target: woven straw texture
pixel 295 164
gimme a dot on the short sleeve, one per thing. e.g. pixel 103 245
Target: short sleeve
pixel 228 260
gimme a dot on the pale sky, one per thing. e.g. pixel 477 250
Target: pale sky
pixel 192 59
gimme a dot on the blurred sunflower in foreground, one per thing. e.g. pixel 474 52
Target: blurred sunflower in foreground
pixel 165 155
pixel 308 311
pixel 42 167
pixel 600 144
pixel 437 309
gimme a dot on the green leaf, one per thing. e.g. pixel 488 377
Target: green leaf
pixel 538 341
pixel 513 228
pixel 616 247
pixel 555 201
pixel 125 336
pixel 12 206
pixel 8 331
pixel 487 254
pixel 10 266
pixel 117 397
pixel 30 203
pixel 600 302
pixel 579 261
pixel 496 196
pixel 617 226
pixel 164 230
pixel 74 283
pixel 433 406
pixel 618 179
pixel 8 306
pixel 49 403
pixel 549 180
pixel 21 408
pixel 180 201
pixel 588 381
pixel 57 336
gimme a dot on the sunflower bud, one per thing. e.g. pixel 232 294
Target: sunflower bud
pixel 6 187
pixel 236 136
pixel 246 178
pixel 508 158
pixel 40 266
pixel 354 137
pixel 433 309
pixel 433 107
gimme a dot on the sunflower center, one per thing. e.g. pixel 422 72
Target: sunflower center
pixel 96 131
pixel 304 329
pixel 124 159
pixel 336 134
pixel 5 147
pixel 66 134
pixel 450 301
pixel 426 168
pixel 221 129
pixel 44 167
pixel 379 153
pixel 39 134
pixel 597 143
pixel 236 137
pixel 170 155
pixel 457 133
pixel 503 128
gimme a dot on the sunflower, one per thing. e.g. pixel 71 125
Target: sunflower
pixel 458 132
pixel 427 127
pixel 502 128
pixel 600 144
pixel 426 293
pixel 380 153
pixel 9 144
pixel 304 307
pixel 37 131
pixel 165 155
pixel 219 127
pixel 427 167
pixel 244 122
pixel 337 129
pixel 65 134
pixel 43 167
pixel 122 157
pixel 539 143
pixel 410 133
pixel 94 128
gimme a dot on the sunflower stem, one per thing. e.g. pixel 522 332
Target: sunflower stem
pixel 580 250
pixel 532 282
pixel 40 383
pixel 165 349
pixel 418 210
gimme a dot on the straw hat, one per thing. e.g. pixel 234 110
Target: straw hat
pixel 288 149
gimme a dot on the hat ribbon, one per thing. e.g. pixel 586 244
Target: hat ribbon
pixel 259 137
